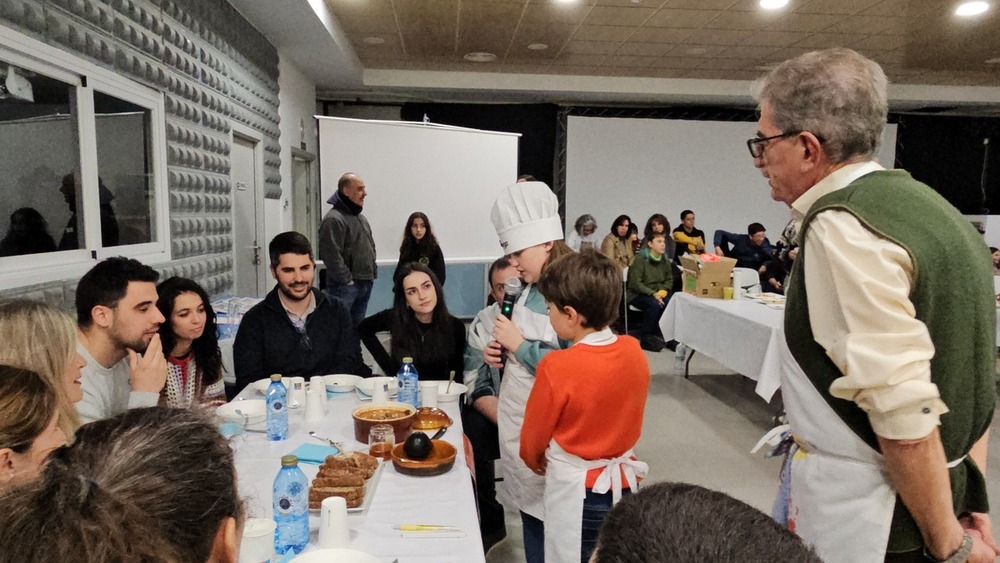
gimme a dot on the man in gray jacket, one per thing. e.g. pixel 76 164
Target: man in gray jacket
pixel 347 248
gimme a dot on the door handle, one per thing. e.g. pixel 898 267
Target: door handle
pixel 256 255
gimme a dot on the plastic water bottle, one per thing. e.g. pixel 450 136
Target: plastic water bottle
pixel 291 507
pixel 277 409
pixel 409 383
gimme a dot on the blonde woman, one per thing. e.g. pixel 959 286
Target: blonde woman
pixel 41 338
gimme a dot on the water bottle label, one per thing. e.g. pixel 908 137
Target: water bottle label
pixel 276 406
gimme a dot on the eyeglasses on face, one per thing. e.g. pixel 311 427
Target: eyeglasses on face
pixel 758 144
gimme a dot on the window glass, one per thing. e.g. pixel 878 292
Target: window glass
pixel 38 144
pixel 125 171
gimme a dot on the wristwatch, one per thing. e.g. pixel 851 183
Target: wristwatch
pixel 960 555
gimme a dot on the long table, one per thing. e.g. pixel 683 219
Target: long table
pixel 740 334
pixel 446 499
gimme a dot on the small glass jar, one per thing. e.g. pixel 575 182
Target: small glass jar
pixel 381 439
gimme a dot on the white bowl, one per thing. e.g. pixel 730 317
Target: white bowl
pixel 252 411
pixel 260 386
pixel 340 382
pixel 367 384
pixel 451 396
pixel 338 555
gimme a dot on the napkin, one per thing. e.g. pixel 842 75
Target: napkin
pixel 314 453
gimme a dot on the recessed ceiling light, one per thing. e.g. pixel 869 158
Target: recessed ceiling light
pixel 374 40
pixel 567 1
pixel 993 61
pixel 480 57
pixel 971 8
pixel 537 47
pixel 773 4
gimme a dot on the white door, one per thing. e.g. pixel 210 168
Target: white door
pixel 305 196
pixel 249 256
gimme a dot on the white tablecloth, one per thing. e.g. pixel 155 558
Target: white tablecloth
pixel 399 499
pixel 741 334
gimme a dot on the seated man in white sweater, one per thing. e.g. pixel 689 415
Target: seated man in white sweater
pixel 118 320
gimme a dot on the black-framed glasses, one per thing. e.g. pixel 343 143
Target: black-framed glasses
pixel 757 144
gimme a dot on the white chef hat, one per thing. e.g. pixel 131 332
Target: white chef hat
pixel 526 214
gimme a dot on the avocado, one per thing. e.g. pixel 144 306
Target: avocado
pixel 418 446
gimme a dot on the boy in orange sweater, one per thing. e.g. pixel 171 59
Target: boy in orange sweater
pixel 585 410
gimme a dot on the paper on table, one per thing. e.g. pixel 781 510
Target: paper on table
pixel 314 454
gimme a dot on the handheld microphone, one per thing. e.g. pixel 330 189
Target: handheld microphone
pixel 512 289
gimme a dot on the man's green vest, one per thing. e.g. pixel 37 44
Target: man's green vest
pixel 952 295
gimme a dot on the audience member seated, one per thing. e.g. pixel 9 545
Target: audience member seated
pixel 995 252
pixel 751 250
pixel 689 239
pixel 40 338
pixel 28 233
pixel 190 345
pixel 29 428
pixel 153 484
pixel 479 418
pixel 296 330
pixel 775 271
pixel 648 289
pixel 657 223
pixel 583 236
pixel 118 320
pixel 420 245
pixel 617 245
pixel 686 523
pixel 419 326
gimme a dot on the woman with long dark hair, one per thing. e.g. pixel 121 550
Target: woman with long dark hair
pixel 420 245
pixel 420 326
pixel 190 345
pixel 616 245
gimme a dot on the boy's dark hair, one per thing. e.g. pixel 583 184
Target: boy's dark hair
pixel 652 236
pixel 289 242
pixel 685 213
pixel 106 284
pixel 588 282
pixel 754 228
pixel 683 522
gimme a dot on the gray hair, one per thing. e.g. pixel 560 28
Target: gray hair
pixel 584 220
pixel 836 94
pixel 151 484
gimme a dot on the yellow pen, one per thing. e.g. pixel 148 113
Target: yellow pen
pixel 424 528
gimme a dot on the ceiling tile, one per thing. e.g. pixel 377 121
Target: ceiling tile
pixel 576 70
pixel 682 18
pixel 676 62
pixel 774 38
pixel 591 47
pixel 607 15
pixel 579 60
pixel 787 53
pixel 428 29
pixel 729 64
pixel 487 26
pixel 805 22
pixel 556 13
pixel 603 33
pixel 908 8
pixel 710 74
pixel 697 51
pixel 664 72
pixel 865 25
pixel 645 3
pixel 525 56
pixel 645 49
pixel 352 8
pixel 700 4
pixel 554 35
pixel 732 19
pixel 629 61
pixel 746 52
pixel 717 37
pixel 660 35
pixel 881 42
pixel 829 40
pixel 369 26
pixel 843 7
pixel 525 68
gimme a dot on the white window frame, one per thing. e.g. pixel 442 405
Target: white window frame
pixel 29 53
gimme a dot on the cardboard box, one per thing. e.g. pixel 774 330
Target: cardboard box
pixel 707 279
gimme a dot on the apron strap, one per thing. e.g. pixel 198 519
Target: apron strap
pixel 611 477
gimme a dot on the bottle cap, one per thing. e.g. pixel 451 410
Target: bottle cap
pixel 289 461
pixel 407 360
pixel 275 377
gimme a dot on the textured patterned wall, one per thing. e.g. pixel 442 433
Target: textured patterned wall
pixel 214 69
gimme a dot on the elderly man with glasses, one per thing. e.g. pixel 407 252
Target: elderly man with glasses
pixel 295 330
pixel 888 368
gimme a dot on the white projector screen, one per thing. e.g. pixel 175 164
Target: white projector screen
pixel 643 166
pixel 452 174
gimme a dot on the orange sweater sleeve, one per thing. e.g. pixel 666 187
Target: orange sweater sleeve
pixel 540 417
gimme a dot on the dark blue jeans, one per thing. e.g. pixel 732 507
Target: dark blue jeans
pixel 534 538
pixel 651 311
pixel 595 510
pixel 354 297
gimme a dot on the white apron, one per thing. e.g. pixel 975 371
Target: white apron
pixel 565 490
pixel 841 500
pixel 522 489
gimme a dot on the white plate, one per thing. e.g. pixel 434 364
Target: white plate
pixel 370 485
pixel 340 382
pixel 456 390
pixel 367 384
pixel 338 555
pixel 253 411
pixel 260 386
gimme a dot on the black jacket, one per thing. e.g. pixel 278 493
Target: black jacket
pixel 267 342
pixel 439 370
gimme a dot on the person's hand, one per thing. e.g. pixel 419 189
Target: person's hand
pixel 981 551
pixel 775 283
pixel 487 406
pixel 699 248
pixel 493 354
pixel 148 373
pixel 762 269
pixel 793 253
pixel 658 299
pixel 542 466
pixel 719 252
pixel 982 524
pixel 507 334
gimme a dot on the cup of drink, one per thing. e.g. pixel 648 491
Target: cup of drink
pixel 334 531
pixel 381 439
pixel 258 540
pixel 428 393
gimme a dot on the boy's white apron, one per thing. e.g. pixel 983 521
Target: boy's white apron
pixel 565 490
pixel 522 489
